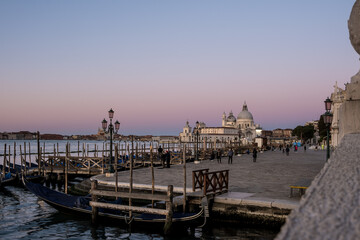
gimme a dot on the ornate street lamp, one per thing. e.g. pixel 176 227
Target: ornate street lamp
pixel 327 117
pixel 328 103
pixel 110 130
pixel 197 130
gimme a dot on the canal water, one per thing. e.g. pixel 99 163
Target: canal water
pixel 24 216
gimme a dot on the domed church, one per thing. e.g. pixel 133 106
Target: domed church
pixel 244 122
pixel 232 128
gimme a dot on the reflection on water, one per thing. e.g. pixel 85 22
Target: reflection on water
pixel 24 216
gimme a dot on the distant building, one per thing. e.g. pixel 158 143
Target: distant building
pixel 3 136
pixel 287 132
pixel 22 135
pixel 51 137
pixel 278 132
pixel 266 133
pixel 282 133
pixel 232 129
pixel 315 123
pixel 101 135
pixel 210 134
pixel 165 139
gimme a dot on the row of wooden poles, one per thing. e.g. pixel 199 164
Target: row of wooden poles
pixel 131 195
pixel 140 149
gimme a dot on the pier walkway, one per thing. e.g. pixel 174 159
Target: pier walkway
pixel 264 184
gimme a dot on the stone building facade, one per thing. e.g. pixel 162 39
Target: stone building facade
pixel 232 129
pixel 337 98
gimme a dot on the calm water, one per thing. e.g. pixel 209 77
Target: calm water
pixel 24 216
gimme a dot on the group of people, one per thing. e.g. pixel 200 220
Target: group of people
pixel 218 155
pixel 230 154
pixel 165 157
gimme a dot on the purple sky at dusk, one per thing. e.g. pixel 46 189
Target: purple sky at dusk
pixel 64 64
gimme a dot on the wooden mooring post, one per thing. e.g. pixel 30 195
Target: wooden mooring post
pixel 169 207
pixel 152 174
pixel 184 169
pixel 14 159
pixel 38 152
pixel 4 164
pixel 94 198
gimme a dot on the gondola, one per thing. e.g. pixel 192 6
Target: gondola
pixel 79 205
pixel 13 175
pixel 8 179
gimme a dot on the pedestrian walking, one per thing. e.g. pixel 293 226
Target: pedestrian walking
pixel 218 155
pixel 254 155
pixel 287 150
pixel 230 155
pixel 161 156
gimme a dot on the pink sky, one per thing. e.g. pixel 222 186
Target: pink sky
pixel 63 65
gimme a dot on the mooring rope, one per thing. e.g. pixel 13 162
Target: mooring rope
pixel 205 207
pixel 131 219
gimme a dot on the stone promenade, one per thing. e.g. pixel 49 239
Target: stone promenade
pixel 269 177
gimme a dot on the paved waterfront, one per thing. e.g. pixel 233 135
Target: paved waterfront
pixel 268 178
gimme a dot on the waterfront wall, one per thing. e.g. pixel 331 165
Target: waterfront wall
pixel 251 211
pixel 330 208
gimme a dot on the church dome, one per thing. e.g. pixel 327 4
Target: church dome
pixel 231 118
pixel 245 114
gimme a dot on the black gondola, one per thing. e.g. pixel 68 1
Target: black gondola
pixel 80 205
pixel 8 179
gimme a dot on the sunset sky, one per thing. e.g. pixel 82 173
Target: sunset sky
pixel 64 64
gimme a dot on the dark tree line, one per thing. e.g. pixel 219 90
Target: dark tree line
pixel 304 132
pixel 307 132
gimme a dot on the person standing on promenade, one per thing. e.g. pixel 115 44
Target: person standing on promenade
pixel 160 150
pixel 218 155
pixel 230 155
pixel 254 155
pixel 304 148
pixel 167 157
pixel 287 150
pixel 212 156
pixel 160 153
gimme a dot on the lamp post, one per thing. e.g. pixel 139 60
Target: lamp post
pixel 110 130
pixel 327 117
pixel 197 129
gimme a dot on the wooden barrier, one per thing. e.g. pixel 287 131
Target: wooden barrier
pixel 210 182
pixel 76 165
pixel 216 182
pixel 198 178
pixel 168 198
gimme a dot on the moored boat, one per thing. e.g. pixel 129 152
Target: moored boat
pixel 8 179
pixel 81 205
